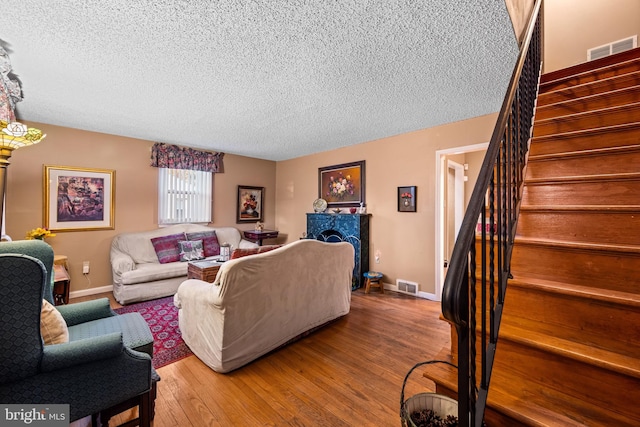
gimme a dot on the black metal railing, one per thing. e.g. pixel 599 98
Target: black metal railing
pixel 489 228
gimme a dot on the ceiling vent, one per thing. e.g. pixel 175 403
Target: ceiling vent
pixel 612 48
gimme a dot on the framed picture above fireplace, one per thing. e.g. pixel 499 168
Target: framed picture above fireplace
pixel 342 185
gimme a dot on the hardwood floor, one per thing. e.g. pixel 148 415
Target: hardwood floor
pixel 346 374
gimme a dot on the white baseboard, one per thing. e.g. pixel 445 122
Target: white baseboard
pixel 92 291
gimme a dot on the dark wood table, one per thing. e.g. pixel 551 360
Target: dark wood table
pixel 61 285
pixel 258 235
pixel 203 270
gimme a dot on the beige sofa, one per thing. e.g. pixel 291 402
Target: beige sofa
pixel 137 273
pixel 260 302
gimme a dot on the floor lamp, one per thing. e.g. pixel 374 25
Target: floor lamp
pixel 13 135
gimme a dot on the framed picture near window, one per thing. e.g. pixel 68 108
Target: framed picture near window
pixel 78 199
pixel 342 185
pixel 407 198
pixel 250 204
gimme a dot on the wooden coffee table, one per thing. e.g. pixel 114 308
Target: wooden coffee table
pixel 203 270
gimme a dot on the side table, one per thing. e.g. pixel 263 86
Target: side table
pixel 259 235
pixel 60 285
pixel 203 270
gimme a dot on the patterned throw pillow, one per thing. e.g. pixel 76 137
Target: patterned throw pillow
pixel 53 328
pixel 191 250
pixel 167 248
pixel 239 253
pixel 209 242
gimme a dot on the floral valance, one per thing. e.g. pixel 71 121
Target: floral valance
pixel 176 157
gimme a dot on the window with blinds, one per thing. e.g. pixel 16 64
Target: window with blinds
pixel 184 196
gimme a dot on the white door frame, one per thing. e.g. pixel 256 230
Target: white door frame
pixel 441 168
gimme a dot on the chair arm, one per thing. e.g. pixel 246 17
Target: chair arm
pixel 247 244
pixel 121 263
pixel 86 311
pixel 61 356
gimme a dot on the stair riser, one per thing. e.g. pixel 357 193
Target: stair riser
pixel 611 326
pixel 593 88
pixel 581 227
pixel 602 163
pixel 589 268
pixel 585 141
pixel 582 193
pixel 606 100
pixel 592 120
pixel 600 74
pixel 538 371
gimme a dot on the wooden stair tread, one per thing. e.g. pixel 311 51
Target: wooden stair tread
pixel 629 176
pixel 589 88
pixel 629 249
pixel 584 132
pixel 524 406
pixel 580 208
pixel 608 296
pixel 586 67
pixel 613 98
pixel 585 153
pixel 525 332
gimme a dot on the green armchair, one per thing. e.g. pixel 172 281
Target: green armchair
pixel 101 365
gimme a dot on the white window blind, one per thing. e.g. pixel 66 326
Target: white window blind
pixel 184 196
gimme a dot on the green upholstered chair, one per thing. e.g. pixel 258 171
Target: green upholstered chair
pixel 97 369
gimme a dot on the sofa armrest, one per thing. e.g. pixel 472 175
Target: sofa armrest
pixel 121 263
pixel 86 311
pixel 61 356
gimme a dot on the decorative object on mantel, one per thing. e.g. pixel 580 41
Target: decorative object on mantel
pixel 336 210
pixel 250 204
pixel 407 198
pixel 353 210
pixel 319 205
pixel 342 185
pixel 13 134
pixel 39 234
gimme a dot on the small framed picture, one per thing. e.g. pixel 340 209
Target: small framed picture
pixel 78 199
pixel 250 203
pixel 407 198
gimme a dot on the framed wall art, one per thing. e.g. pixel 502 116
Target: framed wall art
pixel 342 185
pixel 78 199
pixel 407 198
pixel 250 204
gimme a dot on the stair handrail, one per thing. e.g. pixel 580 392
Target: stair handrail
pixel 494 204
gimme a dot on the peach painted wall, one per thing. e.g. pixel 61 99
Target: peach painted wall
pixel 571 27
pixel 135 191
pixel 406 241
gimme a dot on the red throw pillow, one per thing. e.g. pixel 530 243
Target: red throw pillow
pixel 209 241
pixel 239 253
pixel 167 247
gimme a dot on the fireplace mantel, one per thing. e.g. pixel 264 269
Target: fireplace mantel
pixel 352 228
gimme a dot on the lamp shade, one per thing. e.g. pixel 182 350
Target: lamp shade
pixel 14 135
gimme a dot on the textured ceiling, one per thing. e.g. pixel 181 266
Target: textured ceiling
pixel 272 79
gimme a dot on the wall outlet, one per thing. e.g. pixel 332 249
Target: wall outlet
pixel 85 267
pixel 377 257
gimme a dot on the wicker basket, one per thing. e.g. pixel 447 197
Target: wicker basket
pixel 441 405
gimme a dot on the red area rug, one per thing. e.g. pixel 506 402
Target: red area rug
pixel 162 317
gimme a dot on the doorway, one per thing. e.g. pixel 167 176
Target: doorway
pixel 452 193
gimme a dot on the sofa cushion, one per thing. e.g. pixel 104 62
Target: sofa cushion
pixel 239 253
pixel 150 272
pixel 167 248
pixel 191 250
pixel 209 241
pixel 53 328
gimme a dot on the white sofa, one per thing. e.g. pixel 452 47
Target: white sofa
pixel 137 273
pixel 261 302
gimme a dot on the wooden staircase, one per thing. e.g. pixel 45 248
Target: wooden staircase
pixel 569 346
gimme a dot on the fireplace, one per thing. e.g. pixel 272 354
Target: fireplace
pixel 351 228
